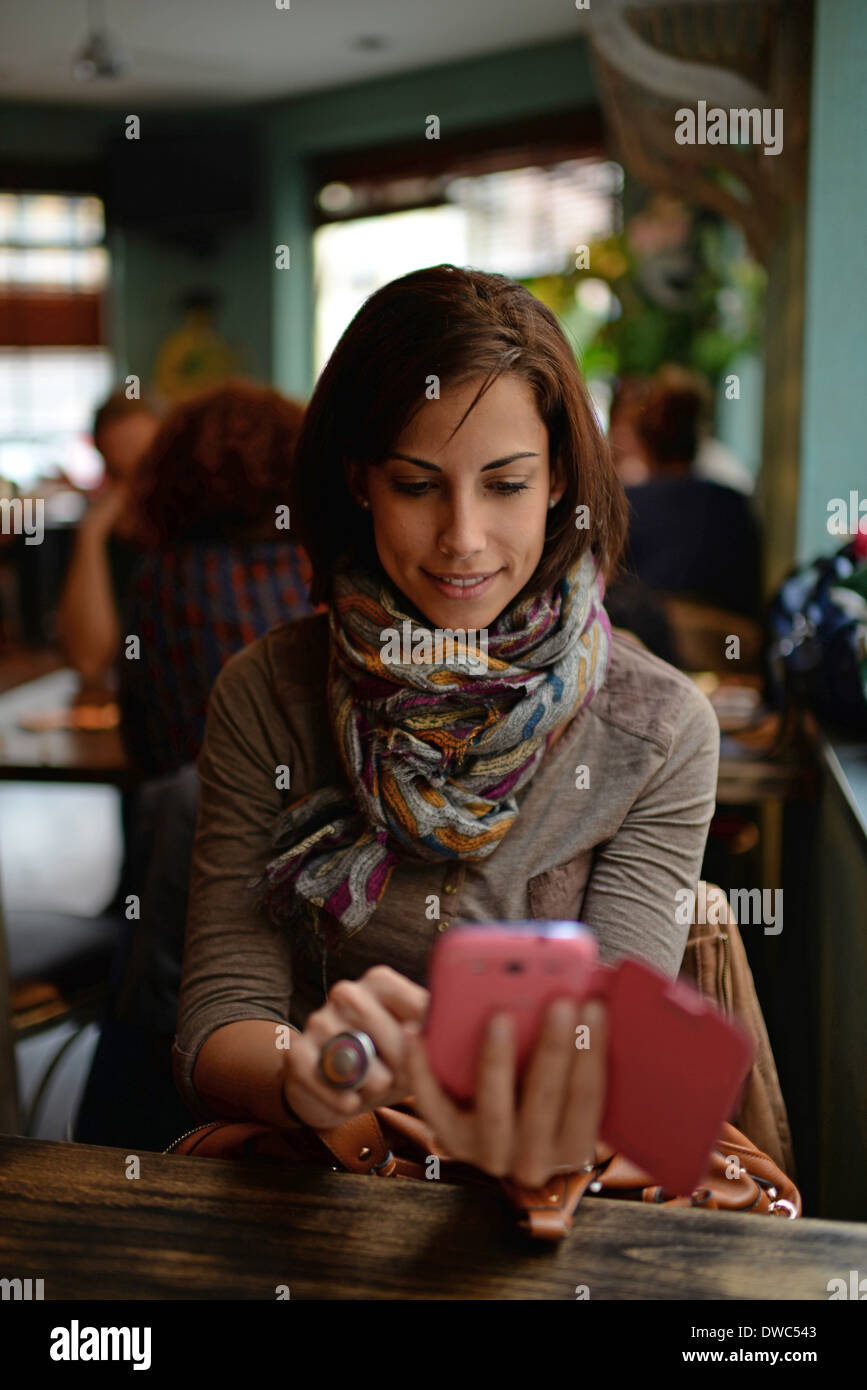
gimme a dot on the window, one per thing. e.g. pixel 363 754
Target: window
pixel 521 222
pixel 54 366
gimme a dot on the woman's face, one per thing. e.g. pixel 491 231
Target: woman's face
pixel 471 510
pixel 123 442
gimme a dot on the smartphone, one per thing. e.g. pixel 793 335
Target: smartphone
pixel 675 1065
pixel 501 967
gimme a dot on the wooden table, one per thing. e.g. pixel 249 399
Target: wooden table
pixel 56 755
pixel 21 664
pixel 745 773
pixel 198 1228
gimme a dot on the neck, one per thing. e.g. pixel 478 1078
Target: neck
pixel 680 469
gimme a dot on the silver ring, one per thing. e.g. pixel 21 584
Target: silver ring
pixel 344 1060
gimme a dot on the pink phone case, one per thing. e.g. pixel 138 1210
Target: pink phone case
pixel 469 980
pixel 675 1065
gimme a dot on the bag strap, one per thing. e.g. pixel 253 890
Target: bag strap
pixel 545 1212
pixel 359 1144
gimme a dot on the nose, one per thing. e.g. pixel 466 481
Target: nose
pixel 461 533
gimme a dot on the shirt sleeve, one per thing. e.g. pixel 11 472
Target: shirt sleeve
pixel 632 900
pixel 236 963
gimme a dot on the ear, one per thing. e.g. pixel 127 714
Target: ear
pixel 557 481
pixel 355 478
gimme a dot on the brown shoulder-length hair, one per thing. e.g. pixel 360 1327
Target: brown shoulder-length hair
pixel 457 325
pixel 218 466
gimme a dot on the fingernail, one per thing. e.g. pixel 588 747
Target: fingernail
pixel 501 1029
pixel 561 1013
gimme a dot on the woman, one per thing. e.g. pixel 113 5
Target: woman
pixel 106 544
pixel 688 534
pixel 450 473
pixel 222 565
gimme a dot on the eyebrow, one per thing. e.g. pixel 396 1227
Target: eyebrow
pixel 434 468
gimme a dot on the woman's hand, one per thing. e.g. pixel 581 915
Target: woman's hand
pixel 379 1004
pixel 554 1125
pixel 106 511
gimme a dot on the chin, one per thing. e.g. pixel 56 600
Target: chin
pixel 467 615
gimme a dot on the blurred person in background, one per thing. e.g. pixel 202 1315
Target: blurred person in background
pixel 629 603
pixel 628 450
pixel 713 459
pixel 106 546
pixel 688 535
pixel 220 567
pixel 632 608
pixel 194 357
pixel 720 464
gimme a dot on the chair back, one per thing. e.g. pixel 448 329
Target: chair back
pixel 163 827
pixel 701 631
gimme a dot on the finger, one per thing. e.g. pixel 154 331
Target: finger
pixel 585 1101
pixel 402 997
pixel 494 1127
pixel 544 1094
pixel 325 1024
pixel 450 1125
pixel 360 1008
pixel 323 1105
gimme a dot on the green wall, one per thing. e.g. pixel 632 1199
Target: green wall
pixel 65 150
pixel 835 343
pixel 54 135
pixel 149 275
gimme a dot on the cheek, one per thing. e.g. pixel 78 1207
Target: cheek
pixel 398 530
pixel 527 531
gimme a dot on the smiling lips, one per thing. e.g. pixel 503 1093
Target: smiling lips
pixel 462 586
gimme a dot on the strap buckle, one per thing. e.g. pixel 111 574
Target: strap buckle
pixel 376 1167
pixel 783 1202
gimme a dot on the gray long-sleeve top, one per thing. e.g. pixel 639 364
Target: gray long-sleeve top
pixel 611 846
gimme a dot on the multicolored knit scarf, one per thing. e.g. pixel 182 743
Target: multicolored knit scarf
pixel 434 753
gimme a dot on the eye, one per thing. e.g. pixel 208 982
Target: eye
pixel 502 489
pixel 508 489
pixel 411 489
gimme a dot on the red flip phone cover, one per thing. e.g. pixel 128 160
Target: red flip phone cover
pixel 675 1066
pixel 675 1070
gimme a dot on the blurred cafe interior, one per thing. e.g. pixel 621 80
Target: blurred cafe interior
pixel 195 201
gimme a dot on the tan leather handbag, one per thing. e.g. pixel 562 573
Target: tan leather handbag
pixel 395 1142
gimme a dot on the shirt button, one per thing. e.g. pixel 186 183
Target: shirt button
pixel 450 888
pixel 443 926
